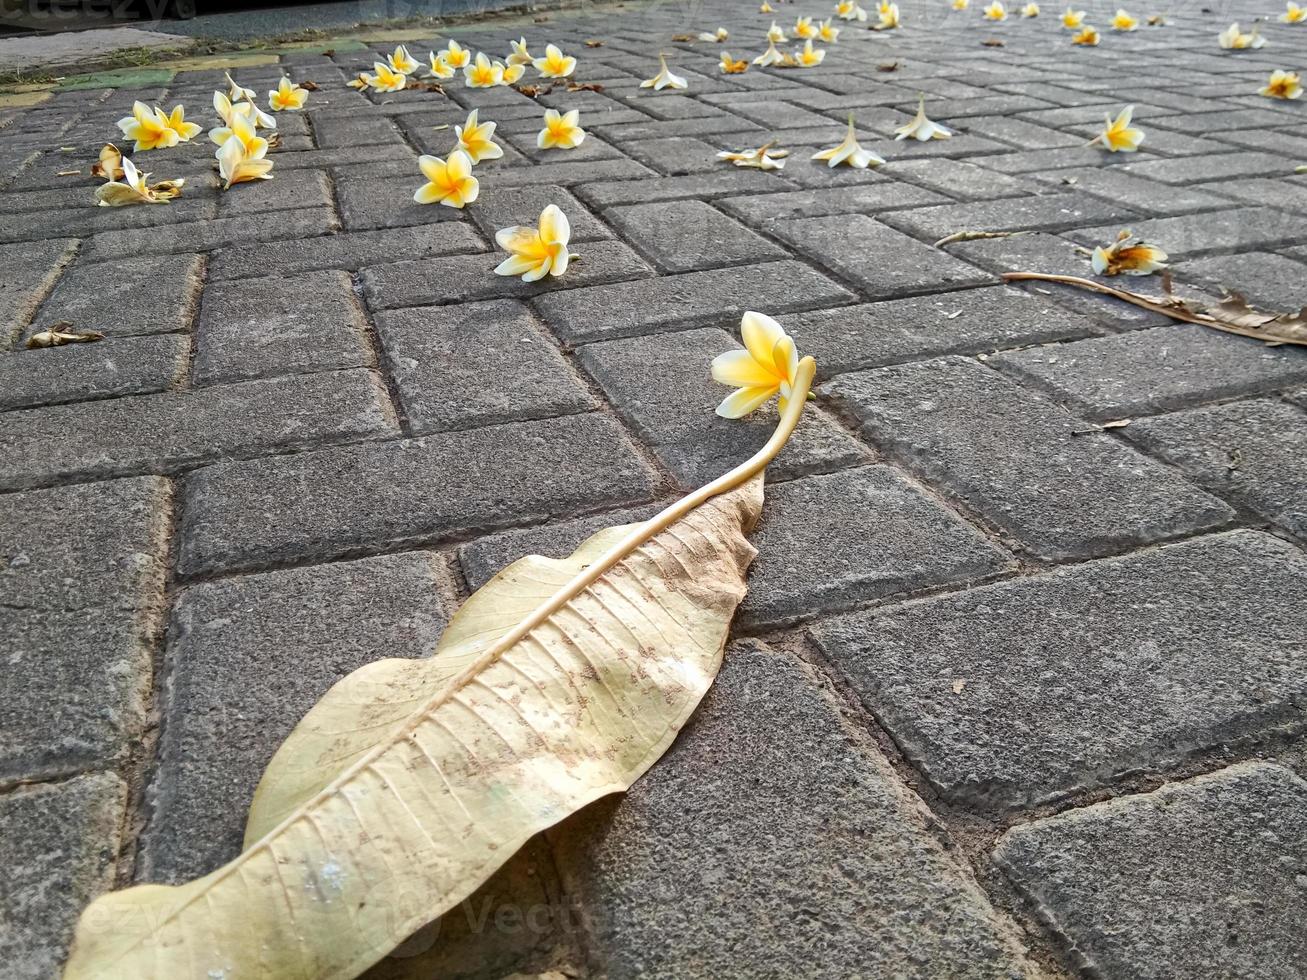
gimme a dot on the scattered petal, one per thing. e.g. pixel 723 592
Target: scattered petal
pixel 760 159
pixel 775 34
pixel 1118 136
pixel 922 129
pixel 449 182
pixel 732 67
pixel 456 56
pixel 849 10
pixel 403 62
pixel 772 56
pixel 828 32
pixel 536 252
pixel 439 67
pixel 808 56
pixel 1293 14
pixel 110 164
pixel 664 79
pixel 238 93
pixel 961 4
pixel 149 128
pixel 383 79
pixel 562 130
pixel 1282 85
pixel 849 152
pixel 58 334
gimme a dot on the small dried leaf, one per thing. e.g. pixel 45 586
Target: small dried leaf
pixel 310 86
pixel 682 37
pixel 994 42
pixel 584 87
pixel 110 164
pixel 594 43
pixel 888 66
pixel 58 334
pixel 531 91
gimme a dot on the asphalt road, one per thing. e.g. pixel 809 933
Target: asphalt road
pixel 223 19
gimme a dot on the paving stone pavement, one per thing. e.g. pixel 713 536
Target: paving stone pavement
pixel 1013 694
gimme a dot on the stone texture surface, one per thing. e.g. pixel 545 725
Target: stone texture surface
pixel 318 418
pixel 246 664
pixel 59 843
pixel 690 851
pixel 1059 487
pixel 1074 679
pixel 1199 878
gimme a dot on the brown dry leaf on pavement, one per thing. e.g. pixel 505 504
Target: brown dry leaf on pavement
pixel 888 66
pixel 58 334
pixel 110 164
pixel 1232 314
pixel 584 87
pixel 971 236
pixel 594 43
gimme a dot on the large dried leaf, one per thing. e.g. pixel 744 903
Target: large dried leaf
pixel 1231 314
pixel 411 782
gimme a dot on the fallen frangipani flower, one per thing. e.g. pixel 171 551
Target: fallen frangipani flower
pixel 763 158
pixel 1072 19
pixel 238 93
pixel 828 32
pixel 665 78
pixel 536 252
pixel 1233 39
pixel 1123 20
pixel 229 112
pixel 1293 14
pixel 808 56
pixel 889 17
pixel 1117 136
pixel 1155 20
pixel 439 68
pixel 455 55
pixel 58 334
pixel 148 128
pixel 961 4
pixel 176 119
pixel 804 28
pixel 483 73
pixel 1282 85
pixel 554 64
pixel 110 164
pixel 1030 10
pixel 134 189
pixel 849 152
pixel 242 131
pixel 995 11
pixel 718 36
pixel 403 62
pixel 766 8
pixel 520 55
pixel 1128 256
pixel 849 10
pixel 768 366
pixel 731 67
pixel 1088 36
pixel 361 81
pixel 775 34
pixel 449 182
pixel 476 139
pixel 772 56
pixel 241 160
pixel 287 96
pixel 922 129
pixel 383 79
pixel 512 74
pixel 562 130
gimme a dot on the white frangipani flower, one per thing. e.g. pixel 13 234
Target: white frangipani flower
pixel 849 152
pixel 665 78
pixel 921 128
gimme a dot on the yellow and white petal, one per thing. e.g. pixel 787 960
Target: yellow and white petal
pixel 740 369
pixel 760 333
pixel 744 402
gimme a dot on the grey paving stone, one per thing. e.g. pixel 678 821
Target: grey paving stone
pixel 108 246
pixel 1254 452
pixel 957 178
pixel 370 202
pixel 678 873
pixel 1047 213
pixel 1075 679
pixel 1288 194
pixel 690 300
pixel 1156 370
pixel 689 236
pixel 59 843
pixel 1273 281
pixel 174 430
pixel 1201 878
pixel 1008 129
pixel 1193 170
pixel 1121 186
pixel 79 372
pixel 289 324
pixel 464 278
pixel 243 515
pixel 674 155
pixel 765 210
pixel 287 191
pixel 349 251
pixel 82 573
pixel 247 657
pixel 969 321
pixel 1039 161
pixel 354 130
pixel 476 364
pixel 829 543
pixel 672 410
pixel 1012 457
pixel 564 173
pixel 1191 235
pixel 878 261
pixel 128 296
pixel 510 206
pixel 30 270
pixel 722 183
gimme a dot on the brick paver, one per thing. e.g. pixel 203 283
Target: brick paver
pixel 1017 692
